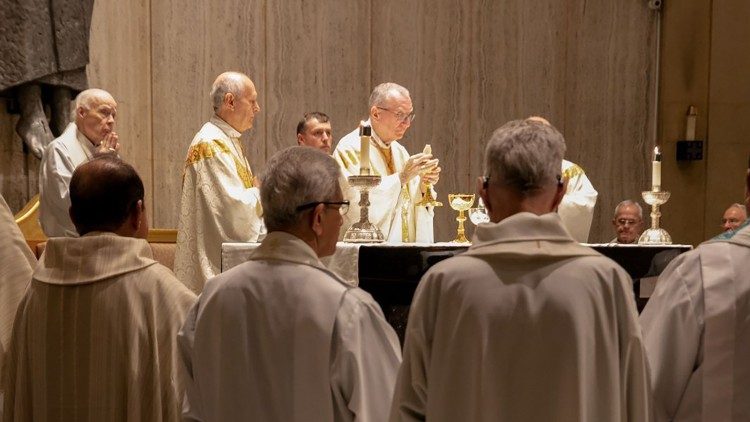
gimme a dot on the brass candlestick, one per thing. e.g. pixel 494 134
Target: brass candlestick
pixel 461 202
pixel 655 235
pixel 364 231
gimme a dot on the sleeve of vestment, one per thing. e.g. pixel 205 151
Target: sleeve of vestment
pixel 410 395
pixel 365 357
pixel 672 329
pixel 577 206
pixel 56 172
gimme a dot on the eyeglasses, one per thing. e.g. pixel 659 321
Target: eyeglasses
pixel 401 117
pixel 627 222
pixel 343 206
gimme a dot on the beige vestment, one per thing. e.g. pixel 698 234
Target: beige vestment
pixel 218 203
pixel 527 325
pixel 390 201
pixel 281 338
pixel 16 265
pixel 95 337
pixel 697 333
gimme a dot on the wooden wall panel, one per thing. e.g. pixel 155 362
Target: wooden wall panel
pixel 121 64
pixel 425 47
pixel 728 144
pixel 192 43
pixel 318 59
pixel 609 103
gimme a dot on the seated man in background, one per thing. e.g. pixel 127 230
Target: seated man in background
pixel 95 335
pixel 628 222
pixel 314 130
pixel 280 337
pixel 91 133
pixel 735 215
pixel 697 333
pixel 527 325
pixel 16 265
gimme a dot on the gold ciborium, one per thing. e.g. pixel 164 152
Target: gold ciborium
pixel 461 202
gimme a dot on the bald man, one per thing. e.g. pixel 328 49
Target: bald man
pixel 91 133
pixel 219 200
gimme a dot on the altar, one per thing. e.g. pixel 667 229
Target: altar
pixel 391 272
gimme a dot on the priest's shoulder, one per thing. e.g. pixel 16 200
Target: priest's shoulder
pixel 350 140
pixel 207 133
pixel 167 281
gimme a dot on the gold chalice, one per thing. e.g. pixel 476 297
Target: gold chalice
pixel 461 202
pixel 427 199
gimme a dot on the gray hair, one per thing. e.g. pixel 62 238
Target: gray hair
pixel 524 154
pixel 85 98
pixel 385 91
pixel 293 177
pixel 226 83
pixel 628 202
pixel 740 206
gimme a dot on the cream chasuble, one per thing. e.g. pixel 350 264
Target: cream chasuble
pixel 281 338
pixel 218 204
pixel 697 333
pixel 577 207
pixel 16 265
pixel 60 159
pixel 95 337
pixel 527 325
pixel 392 206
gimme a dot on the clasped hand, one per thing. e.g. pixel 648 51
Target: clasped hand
pixel 421 164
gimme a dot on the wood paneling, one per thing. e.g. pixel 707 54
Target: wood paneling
pixel 120 63
pixel 192 43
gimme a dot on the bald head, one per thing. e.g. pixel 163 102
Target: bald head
pixel 235 100
pixel 95 113
pixel 106 194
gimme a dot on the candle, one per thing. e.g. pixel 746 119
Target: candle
pixel 690 125
pixel 656 171
pixel 364 149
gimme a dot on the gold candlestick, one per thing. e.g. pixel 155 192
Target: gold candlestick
pixel 364 231
pixel 461 202
pixel 655 235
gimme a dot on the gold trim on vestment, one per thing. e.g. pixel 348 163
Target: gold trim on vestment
pixel 572 172
pixel 207 149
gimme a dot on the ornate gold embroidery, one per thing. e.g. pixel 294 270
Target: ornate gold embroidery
pixel 572 172
pixel 207 149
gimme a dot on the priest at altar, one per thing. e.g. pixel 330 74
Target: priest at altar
pixel 219 201
pixel 404 178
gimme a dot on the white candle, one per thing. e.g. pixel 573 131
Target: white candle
pixel 364 150
pixel 656 171
pixel 690 126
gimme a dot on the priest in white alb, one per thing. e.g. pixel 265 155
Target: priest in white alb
pixel 219 201
pixel 95 336
pixel 91 133
pixel 697 332
pixel 280 337
pixel 16 265
pixel 527 325
pixel 577 206
pixel 394 202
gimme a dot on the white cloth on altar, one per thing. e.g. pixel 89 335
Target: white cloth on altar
pixel 577 207
pixel 95 337
pixel 695 366
pixel 527 325
pixel 15 275
pixel 386 200
pixel 282 338
pixel 60 159
pixel 218 203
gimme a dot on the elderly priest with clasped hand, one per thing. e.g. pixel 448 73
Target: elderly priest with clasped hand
pixel 405 178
